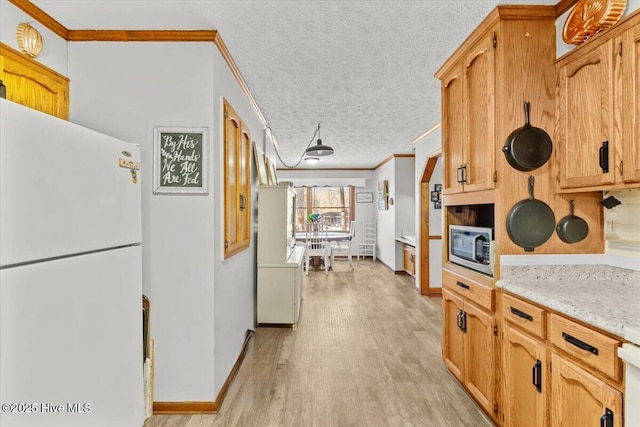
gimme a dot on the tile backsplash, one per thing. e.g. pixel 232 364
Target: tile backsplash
pixel 622 224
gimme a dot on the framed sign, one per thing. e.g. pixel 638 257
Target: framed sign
pixel 261 166
pixel 364 197
pixel 271 171
pixel 180 159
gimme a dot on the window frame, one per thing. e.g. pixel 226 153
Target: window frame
pixel 309 204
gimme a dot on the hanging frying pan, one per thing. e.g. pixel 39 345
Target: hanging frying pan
pixel 527 148
pixel 571 228
pixel 530 222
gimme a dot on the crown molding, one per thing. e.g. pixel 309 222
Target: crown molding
pixel 142 35
pixel 426 133
pixel 391 157
pixel 42 17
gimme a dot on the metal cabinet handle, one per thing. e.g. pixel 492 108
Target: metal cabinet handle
pixel 463 318
pixel 537 376
pixel 242 202
pixel 521 314
pixel 459 175
pixel 607 419
pixel 580 344
pixel 462 285
pixel 464 173
pixel 604 157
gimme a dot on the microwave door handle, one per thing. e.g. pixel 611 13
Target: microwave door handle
pixel 474 253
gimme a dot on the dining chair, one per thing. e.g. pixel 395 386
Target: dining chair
pixel 316 244
pixel 367 247
pixel 342 248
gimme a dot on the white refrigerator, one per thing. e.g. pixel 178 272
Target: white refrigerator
pixel 70 274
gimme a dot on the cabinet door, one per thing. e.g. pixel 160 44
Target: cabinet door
pixel 630 89
pixel 479 103
pixel 452 130
pixel 32 84
pixel 585 109
pixel 580 399
pixel 480 356
pixel 452 335
pixel 526 380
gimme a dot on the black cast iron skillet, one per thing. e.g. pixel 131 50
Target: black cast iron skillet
pixel 528 147
pixel 571 228
pixel 530 222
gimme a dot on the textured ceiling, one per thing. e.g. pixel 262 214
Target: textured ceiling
pixel 363 69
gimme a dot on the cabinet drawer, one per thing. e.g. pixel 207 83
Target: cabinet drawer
pixel 475 291
pixel 590 347
pixel 524 315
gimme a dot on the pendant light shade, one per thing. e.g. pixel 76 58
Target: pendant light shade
pixel 319 149
pixel 311 160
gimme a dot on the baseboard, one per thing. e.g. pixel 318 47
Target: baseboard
pixel 204 407
pixel 194 407
pixel 234 371
pixel 434 291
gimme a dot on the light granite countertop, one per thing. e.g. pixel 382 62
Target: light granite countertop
pixel 599 295
pixel 409 240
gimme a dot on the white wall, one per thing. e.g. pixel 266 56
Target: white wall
pixel 125 89
pixel 404 204
pixel 425 148
pixel 385 219
pixel 54 51
pixel 235 279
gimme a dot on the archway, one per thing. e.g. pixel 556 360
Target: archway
pixel 425 237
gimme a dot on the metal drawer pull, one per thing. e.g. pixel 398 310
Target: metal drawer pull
pixel 607 419
pixel 537 376
pixel 580 344
pixel 521 314
pixel 462 285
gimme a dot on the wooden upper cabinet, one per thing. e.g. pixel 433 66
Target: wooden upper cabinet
pixel 630 167
pixel 479 91
pixel 598 118
pixel 32 84
pixel 580 399
pixel 585 102
pixel 468 119
pixel 237 183
pixel 452 130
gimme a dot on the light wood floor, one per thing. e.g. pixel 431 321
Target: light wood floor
pixel 367 352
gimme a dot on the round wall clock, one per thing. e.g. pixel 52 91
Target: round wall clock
pixel 589 17
pixel 29 40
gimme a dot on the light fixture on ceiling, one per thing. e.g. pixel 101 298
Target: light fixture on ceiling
pixel 311 160
pixel 319 149
pixel 311 154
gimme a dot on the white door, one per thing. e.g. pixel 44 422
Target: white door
pixel 71 341
pixel 62 189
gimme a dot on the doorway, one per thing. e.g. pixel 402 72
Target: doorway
pixel 428 212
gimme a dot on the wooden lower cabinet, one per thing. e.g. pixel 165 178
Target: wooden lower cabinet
pixel 409 260
pixel 469 348
pixel 580 399
pixel 526 378
pixel 453 337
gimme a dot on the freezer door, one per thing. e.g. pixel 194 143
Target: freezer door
pixel 62 188
pixel 71 341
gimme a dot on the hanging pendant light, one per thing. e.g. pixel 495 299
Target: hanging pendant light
pixel 319 149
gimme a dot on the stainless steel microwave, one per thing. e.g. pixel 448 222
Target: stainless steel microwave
pixel 471 247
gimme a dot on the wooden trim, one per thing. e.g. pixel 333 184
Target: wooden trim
pixel 432 237
pixel 434 291
pixel 425 204
pixel 562 6
pixel 42 17
pixel 142 35
pixel 391 157
pixel 188 407
pixel 426 133
pixel 234 371
pixel 236 73
pixel 17 56
pixel 196 407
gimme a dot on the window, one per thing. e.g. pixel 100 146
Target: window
pixel 334 204
pixel 237 183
